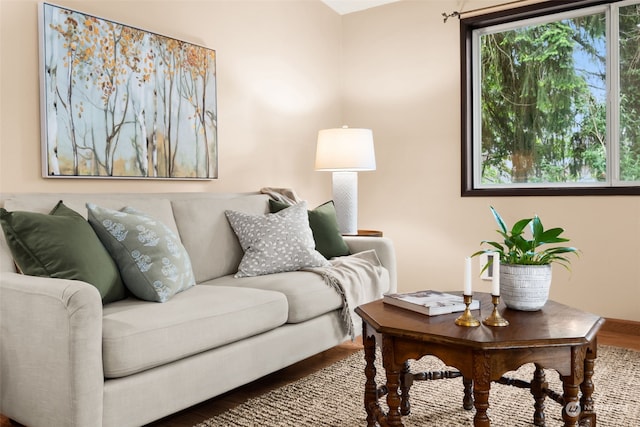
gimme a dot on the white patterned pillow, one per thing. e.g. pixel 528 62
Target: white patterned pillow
pixel 153 263
pixel 275 243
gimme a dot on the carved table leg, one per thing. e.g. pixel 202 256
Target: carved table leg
pixel 481 387
pixel 538 385
pixel 370 388
pixel 393 398
pixel 467 401
pixel 588 415
pixel 571 408
pixel 406 380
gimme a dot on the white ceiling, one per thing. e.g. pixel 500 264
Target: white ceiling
pixel 347 6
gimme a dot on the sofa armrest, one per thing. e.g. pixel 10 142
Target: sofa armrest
pixel 51 351
pixel 385 251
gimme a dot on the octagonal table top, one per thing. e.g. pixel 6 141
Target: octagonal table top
pixel 554 324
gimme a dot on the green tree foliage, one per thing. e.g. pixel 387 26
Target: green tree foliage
pixel 543 101
pixel 630 93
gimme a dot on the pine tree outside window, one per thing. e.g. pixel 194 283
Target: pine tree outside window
pixel 551 98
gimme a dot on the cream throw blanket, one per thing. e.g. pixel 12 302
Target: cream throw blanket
pixel 358 278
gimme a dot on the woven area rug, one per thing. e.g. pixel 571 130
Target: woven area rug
pixel 333 396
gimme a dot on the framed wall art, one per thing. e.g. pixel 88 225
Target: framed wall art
pixel 121 102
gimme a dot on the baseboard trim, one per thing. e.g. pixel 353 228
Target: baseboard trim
pixel 621 326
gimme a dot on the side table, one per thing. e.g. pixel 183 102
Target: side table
pixel 366 233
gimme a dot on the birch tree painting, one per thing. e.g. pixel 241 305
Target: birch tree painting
pixel 122 102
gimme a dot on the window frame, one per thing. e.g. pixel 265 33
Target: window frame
pixel 467 26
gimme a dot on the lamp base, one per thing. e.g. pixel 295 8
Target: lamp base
pixel 345 198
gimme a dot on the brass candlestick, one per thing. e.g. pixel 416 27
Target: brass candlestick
pixel 495 319
pixel 466 318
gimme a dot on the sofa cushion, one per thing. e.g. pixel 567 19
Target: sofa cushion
pixel 308 296
pixel 152 261
pixel 324 226
pixel 275 243
pixel 207 235
pixel 61 245
pixel 139 335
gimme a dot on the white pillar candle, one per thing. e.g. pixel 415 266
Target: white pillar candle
pixel 495 276
pixel 467 276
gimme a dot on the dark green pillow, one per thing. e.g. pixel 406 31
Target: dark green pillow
pixel 61 245
pixel 324 225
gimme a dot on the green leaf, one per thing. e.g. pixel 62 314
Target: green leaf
pixel 521 243
pixel 518 227
pixel 495 245
pixel 551 236
pixel 562 250
pixel 499 220
pixel 536 228
pixel 553 232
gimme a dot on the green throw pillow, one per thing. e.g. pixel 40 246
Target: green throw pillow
pixel 275 243
pixel 324 225
pixel 61 245
pixel 153 262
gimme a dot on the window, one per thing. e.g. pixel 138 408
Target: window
pixel 551 100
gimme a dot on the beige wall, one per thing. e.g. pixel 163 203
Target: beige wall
pixel 278 79
pixel 402 78
pixel 289 68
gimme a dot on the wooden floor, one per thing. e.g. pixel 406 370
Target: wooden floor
pixel 614 332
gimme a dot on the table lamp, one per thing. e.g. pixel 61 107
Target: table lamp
pixel 345 151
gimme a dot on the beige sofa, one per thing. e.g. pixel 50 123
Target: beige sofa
pixel 66 360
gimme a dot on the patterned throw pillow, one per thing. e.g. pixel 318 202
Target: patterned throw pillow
pixel 275 243
pixel 153 263
pixel 324 225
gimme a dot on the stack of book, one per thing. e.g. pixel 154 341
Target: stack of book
pixel 429 302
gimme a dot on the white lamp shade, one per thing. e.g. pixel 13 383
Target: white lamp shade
pixel 345 149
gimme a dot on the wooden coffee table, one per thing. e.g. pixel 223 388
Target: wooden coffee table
pixel 557 337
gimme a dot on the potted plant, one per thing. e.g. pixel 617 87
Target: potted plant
pixel 525 261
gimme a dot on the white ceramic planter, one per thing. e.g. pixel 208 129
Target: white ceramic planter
pixel 525 287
